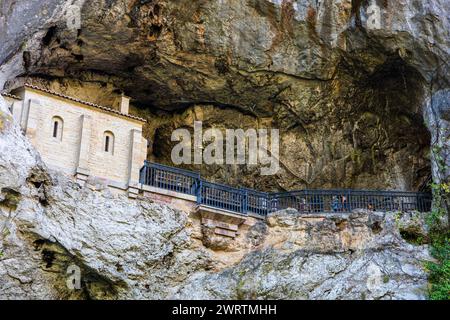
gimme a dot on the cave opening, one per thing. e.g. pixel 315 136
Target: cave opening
pixel 389 134
pixel 49 36
pixel 385 144
pixel 372 137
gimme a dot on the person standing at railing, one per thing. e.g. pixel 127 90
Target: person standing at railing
pixel 303 205
pixel 335 204
pixel 344 203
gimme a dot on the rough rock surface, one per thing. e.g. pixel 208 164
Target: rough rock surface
pixel 138 249
pixel 357 107
pixel 49 222
pixel 348 98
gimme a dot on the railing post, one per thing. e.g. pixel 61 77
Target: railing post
pixel 199 190
pixel 268 203
pixel 141 178
pixel 349 203
pixel 143 173
pixel 244 201
pixel 273 203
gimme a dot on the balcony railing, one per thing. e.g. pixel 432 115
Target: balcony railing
pixel 339 200
pixel 248 201
pixel 222 197
pixel 169 178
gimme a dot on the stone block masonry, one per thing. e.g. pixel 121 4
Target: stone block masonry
pixel 83 139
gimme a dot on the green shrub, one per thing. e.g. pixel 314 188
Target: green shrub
pixel 439 278
pixel 439 272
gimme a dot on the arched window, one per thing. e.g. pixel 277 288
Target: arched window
pixel 57 127
pixel 108 142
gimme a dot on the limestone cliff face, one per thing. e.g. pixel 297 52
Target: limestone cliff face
pixel 348 98
pixel 139 249
pixel 357 107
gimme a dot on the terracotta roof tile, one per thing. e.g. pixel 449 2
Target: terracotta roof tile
pixel 85 102
pixel 9 95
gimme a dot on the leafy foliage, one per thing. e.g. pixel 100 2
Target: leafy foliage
pixel 439 272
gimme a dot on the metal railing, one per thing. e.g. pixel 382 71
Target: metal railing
pixel 310 201
pixel 169 178
pixel 222 197
pixel 248 201
pixel 257 202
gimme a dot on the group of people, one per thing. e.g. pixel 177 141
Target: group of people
pixel 339 203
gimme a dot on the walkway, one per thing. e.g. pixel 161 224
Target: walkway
pixel 247 201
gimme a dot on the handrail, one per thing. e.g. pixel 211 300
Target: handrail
pixel 169 178
pixel 223 197
pixel 248 201
pixel 365 191
pixel 172 169
pixel 257 202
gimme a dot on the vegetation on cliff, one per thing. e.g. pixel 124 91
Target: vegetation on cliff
pixel 439 234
